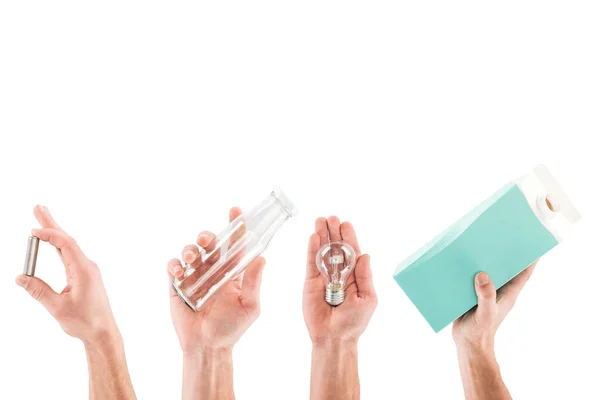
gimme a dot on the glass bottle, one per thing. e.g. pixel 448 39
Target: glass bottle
pixel 244 239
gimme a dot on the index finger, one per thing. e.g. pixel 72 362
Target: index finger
pixel 44 217
pixel 69 249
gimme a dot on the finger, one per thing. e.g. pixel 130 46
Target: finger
pixel 44 217
pixel 486 297
pixel 364 276
pixel 40 291
pixel 321 230
pixel 516 284
pixel 509 293
pixel 70 251
pixel 190 254
pixel 333 226
pixel 206 240
pixel 349 236
pixel 234 212
pixel 174 268
pixel 46 220
pixel 311 257
pixel 251 282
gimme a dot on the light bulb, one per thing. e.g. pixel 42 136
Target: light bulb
pixel 336 261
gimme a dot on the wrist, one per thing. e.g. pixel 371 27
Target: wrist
pixel 205 355
pixel 334 343
pixel 335 349
pixel 481 349
pixel 208 373
pixel 105 339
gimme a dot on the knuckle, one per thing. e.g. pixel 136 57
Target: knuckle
pixel 486 296
pixel 254 310
pixel 37 292
pixel 69 242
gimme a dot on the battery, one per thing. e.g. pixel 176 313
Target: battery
pixel 33 244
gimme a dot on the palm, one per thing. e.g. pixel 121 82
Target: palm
pixel 221 321
pixel 349 319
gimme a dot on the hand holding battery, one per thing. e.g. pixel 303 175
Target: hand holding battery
pixel 348 320
pixel 222 320
pixel 82 308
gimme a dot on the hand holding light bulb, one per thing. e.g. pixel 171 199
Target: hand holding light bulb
pixel 349 319
pixel 334 330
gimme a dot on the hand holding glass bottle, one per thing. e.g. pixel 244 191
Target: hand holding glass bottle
pixel 222 320
pixel 207 336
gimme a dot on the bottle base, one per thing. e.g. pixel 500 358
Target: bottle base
pixel 182 297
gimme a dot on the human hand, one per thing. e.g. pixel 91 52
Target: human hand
pixel 349 320
pixel 82 308
pixel 477 328
pixel 222 320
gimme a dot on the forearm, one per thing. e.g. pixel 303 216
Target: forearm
pixel 480 374
pixel 109 377
pixel 208 374
pixel 334 371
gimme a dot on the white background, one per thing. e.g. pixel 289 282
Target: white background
pixel 139 123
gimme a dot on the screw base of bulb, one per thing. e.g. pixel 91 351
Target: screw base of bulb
pixel 334 297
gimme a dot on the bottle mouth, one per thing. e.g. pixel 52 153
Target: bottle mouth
pixel 549 204
pixel 284 202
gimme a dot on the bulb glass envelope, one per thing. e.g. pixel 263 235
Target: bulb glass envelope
pixel 335 261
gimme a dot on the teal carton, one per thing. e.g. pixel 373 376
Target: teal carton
pixel 502 236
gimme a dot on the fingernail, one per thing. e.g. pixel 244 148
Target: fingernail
pixel 188 254
pixel 22 281
pixel 177 270
pixel 202 239
pixel 482 278
pixel 34 232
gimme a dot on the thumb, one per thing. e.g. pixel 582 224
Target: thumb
pixel 39 290
pixel 486 296
pixel 251 282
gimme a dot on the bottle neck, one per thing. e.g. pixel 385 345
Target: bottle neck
pixel 266 218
